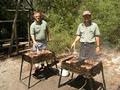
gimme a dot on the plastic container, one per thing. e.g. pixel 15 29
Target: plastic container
pixel 65 72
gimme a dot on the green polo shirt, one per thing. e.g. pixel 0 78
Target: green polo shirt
pixel 39 30
pixel 88 34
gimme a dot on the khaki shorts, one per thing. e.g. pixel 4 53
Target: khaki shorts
pixel 39 45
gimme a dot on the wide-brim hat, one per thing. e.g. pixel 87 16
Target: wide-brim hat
pixel 86 13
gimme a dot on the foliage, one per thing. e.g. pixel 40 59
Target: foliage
pixel 64 17
pixel 4 5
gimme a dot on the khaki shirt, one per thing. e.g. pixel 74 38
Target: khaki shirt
pixel 39 30
pixel 88 34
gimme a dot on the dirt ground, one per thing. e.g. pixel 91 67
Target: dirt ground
pixel 10 69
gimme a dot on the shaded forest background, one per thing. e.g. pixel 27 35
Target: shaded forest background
pixel 64 16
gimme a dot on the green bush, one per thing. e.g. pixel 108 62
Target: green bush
pixel 64 17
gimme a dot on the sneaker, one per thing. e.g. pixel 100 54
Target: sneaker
pixel 41 75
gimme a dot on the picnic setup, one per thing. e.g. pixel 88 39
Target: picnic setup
pixel 88 69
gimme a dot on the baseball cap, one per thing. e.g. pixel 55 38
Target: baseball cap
pixel 86 13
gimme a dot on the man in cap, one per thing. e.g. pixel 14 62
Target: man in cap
pixel 88 33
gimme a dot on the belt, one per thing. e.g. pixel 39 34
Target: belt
pixel 87 42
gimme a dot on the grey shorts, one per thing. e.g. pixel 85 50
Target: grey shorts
pixel 87 51
pixel 39 45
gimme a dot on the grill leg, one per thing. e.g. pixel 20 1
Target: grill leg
pixel 60 78
pixel 103 78
pixel 91 83
pixel 72 75
pixel 47 63
pixel 55 61
pixel 31 64
pixel 21 68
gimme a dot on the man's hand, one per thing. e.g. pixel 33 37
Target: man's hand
pixel 73 45
pixel 34 42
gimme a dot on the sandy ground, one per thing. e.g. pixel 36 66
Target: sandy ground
pixel 10 68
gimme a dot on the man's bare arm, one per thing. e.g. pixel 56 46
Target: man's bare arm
pixel 97 41
pixel 97 44
pixel 76 39
pixel 33 38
